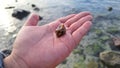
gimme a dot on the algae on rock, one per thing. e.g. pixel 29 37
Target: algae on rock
pixel 94 49
pixel 92 64
pixel 113 30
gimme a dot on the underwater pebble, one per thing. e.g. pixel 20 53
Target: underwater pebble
pixel 116 41
pixel 110 9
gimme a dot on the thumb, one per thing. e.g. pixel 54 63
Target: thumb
pixel 32 20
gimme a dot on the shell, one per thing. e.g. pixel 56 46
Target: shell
pixel 60 31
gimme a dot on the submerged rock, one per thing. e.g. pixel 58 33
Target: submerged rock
pixel 116 41
pixel 110 8
pixel 79 65
pixel 98 32
pixel 94 49
pixel 6 52
pixel 111 58
pixel 92 64
pixel 20 13
pixel 104 38
pixel 113 30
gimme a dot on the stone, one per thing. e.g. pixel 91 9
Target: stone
pixel 94 49
pixel 79 65
pixel 116 41
pixel 40 18
pixel 111 58
pixel 113 30
pixel 98 32
pixel 35 8
pixel 6 52
pixel 92 64
pixel 110 8
pixel 20 13
pixel 33 5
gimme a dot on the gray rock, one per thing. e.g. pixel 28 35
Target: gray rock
pixel 111 58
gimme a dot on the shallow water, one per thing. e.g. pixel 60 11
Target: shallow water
pixel 50 10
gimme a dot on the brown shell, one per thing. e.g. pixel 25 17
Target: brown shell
pixel 61 30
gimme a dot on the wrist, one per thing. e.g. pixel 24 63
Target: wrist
pixel 14 62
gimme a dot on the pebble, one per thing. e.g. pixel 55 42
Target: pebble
pixel 40 18
pixel 110 9
pixel 116 41
pixel 33 5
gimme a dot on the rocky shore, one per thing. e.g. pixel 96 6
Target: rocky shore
pixel 101 37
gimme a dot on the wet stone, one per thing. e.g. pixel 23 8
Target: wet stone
pixel 116 41
pixel 35 8
pixel 6 51
pixel 40 18
pixel 110 8
pixel 20 13
pixel 33 5
pixel 111 58
pixel 113 46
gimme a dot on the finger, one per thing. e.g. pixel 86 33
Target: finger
pixel 81 31
pixel 32 20
pixel 55 24
pixel 81 21
pixel 75 18
pixel 64 19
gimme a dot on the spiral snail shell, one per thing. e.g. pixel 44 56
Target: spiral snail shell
pixel 60 31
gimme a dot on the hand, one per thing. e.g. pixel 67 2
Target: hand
pixel 38 46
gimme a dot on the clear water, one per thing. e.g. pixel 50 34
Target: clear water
pixel 50 10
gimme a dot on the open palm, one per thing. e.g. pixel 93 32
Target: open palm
pixel 39 47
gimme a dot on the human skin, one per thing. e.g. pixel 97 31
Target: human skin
pixel 39 47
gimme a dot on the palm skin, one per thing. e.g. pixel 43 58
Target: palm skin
pixel 39 47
